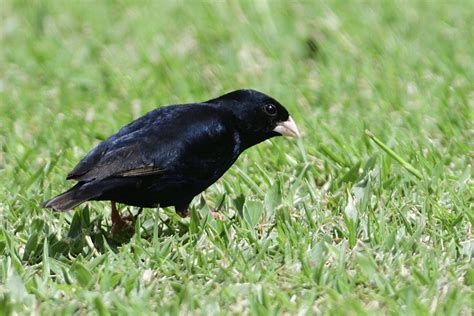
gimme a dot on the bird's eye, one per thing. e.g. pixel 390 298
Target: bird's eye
pixel 270 109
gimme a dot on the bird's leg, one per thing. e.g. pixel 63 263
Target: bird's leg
pixel 117 221
pixel 182 209
pixel 183 214
pixel 140 210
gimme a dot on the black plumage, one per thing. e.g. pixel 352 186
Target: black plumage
pixel 173 153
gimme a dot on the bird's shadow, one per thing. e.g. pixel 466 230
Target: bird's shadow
pixel 86 235
pixel 101 237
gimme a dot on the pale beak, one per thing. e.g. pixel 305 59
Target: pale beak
pixel 287 128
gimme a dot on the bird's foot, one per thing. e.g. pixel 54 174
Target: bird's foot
pixel 119 226
pixel 217 216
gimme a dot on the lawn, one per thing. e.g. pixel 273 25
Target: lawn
pixel 371 212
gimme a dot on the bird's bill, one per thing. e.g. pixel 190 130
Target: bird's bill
pixel 287 128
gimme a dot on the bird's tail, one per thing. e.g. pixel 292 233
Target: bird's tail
pixel 69 199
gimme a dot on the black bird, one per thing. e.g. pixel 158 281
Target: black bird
pixel 173 153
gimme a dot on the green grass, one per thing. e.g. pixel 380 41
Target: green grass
pixel 343 221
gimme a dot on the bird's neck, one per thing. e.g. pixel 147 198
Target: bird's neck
pixel 251 139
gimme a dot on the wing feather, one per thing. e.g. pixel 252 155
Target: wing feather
pixel 161 141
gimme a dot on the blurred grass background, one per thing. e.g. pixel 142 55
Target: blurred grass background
pixel 330 224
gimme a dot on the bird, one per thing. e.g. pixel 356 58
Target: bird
pixel 173 153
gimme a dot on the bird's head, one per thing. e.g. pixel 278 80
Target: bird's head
pixel 259 116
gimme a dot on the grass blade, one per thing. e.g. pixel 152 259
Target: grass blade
pixel 393 154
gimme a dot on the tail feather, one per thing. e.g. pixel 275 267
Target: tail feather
pixel 69 199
